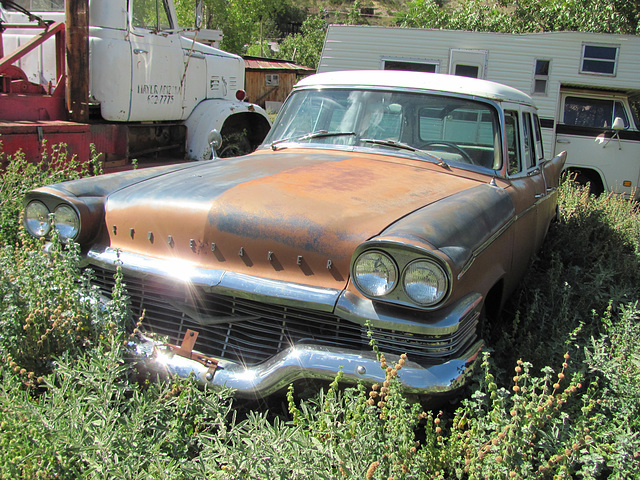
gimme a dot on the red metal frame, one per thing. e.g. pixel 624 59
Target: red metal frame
pixel 23 100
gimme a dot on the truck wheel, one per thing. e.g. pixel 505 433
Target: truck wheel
pixel 234 144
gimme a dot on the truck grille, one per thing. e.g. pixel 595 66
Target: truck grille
pixel 251 332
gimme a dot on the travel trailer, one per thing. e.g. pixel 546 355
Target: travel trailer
pixel 585 85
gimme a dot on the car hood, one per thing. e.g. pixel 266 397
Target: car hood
pixel 295 216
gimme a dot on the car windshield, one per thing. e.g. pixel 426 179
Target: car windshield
pixel 445 128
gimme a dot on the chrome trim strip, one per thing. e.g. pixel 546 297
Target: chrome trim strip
pixel 217 281
pixel 362 310
pixel 313 362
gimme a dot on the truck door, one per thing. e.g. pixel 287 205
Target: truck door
pixel 157 62
pixel 585 130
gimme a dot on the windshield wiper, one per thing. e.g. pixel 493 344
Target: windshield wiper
pixel 406 146
pixel 309 136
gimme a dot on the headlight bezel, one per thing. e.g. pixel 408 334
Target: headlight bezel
pixel 405 256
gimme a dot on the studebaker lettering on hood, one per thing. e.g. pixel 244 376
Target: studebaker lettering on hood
pixel 402 206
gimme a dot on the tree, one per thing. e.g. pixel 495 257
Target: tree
pixel 602 16
pixel 305 48
pixel 243 22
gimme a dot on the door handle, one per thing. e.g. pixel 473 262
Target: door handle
pixel 138 51
pixel 562 140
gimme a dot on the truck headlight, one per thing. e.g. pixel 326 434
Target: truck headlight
pixel 425 282
pixel 36 219
pixel 66 222
pixel 375 273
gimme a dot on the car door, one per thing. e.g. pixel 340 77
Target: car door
pixel 157 62
pixel 528 186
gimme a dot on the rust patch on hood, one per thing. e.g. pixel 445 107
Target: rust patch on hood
pixel 296 217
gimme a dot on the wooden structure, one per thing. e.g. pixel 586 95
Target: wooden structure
pixel 268 81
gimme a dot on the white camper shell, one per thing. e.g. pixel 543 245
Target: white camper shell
pixel 582 83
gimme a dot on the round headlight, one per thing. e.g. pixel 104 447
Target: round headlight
pixel 66 222
pixel 36 219
pixel 375 273
pixel 425 282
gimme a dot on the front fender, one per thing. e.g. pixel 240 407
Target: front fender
pixel 213 114
pixel 459 226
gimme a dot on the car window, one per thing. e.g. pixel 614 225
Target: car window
pixel 513 141
pixel 454 129
pixel 538 136
pixel 529 145
pixel 593 112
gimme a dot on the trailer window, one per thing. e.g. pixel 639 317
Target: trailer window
pixel 467 70
pixel 541 76
pixel 593 112
pixel 410 66
pixel 600 59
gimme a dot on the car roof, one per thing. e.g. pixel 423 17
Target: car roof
pixel 437 82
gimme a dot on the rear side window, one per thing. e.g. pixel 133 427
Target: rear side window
pixel 529 142
pixel 513 141
pixel 593 112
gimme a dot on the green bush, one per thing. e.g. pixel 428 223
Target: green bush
pixel 74 404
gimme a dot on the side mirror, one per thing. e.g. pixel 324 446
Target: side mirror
pixel 618 124
pixel 198 21
pixel 215 141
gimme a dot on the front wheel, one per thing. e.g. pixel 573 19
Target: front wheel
pixel 234 144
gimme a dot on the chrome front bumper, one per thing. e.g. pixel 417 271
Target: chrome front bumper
pixel 311 362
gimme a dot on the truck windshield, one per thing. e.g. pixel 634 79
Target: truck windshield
pixel 449 128
pixel 151 14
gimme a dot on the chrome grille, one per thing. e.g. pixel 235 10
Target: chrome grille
pixel 251 332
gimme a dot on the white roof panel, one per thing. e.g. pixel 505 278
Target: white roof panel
pixel 437 82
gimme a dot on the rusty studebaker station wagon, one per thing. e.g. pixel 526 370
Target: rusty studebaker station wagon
pixel 402 204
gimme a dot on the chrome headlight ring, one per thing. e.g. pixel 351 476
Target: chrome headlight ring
pixel 425 282
pixel 39 220
pixel 66 222
pixel 375 273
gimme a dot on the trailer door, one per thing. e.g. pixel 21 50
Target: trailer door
pixel 585 130
pixel 468 63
